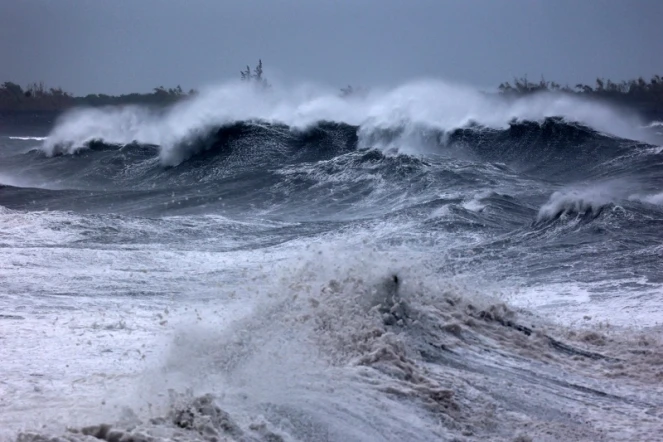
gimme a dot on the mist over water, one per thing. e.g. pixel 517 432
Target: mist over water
pixel 426 262
pixel 424 104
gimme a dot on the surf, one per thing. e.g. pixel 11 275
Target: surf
pixel 434 104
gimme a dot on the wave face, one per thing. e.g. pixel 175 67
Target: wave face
pixel 422 263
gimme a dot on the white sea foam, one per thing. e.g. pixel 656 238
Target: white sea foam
pixel 592 197
pixel 325 345
pixel 339 335
pixel 578 200
pixel 475 204
pixel 28 138
pixel 433 104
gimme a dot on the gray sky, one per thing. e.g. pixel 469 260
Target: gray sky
pixel 134 45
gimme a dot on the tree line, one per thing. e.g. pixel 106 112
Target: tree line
pixel 37 97
pixel 637 92
pixel 641 93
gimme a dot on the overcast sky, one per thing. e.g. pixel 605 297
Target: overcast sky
pixel 135 45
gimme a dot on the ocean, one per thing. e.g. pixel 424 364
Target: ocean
pixel 420 263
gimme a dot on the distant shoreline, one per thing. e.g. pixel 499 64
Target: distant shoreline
pixel 40 105
pixel 36 108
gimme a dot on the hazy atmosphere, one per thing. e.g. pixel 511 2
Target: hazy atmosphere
pixel 357 221
pixel 113 47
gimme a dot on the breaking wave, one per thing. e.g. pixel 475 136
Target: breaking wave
pixel 421 263
pixel 28 138
pixel 392 354
pixel 435 105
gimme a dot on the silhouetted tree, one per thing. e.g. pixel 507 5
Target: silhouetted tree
pixel 351 91
pixel 347 91
pixel 256 76
pixel 258 71
pixel 246 75
pixel 646 96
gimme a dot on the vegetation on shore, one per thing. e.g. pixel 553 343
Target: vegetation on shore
pixel 256 76
pixel 644 95
pixel 636 92
pixel 37 97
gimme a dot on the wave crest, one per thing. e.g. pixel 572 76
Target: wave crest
pixel 582 202
pixel 591 200
pixel 432 104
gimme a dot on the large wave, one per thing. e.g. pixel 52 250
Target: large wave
pixel 431 104
pixel 332 264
